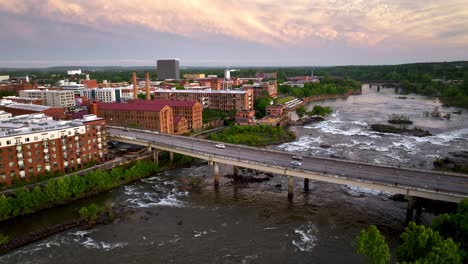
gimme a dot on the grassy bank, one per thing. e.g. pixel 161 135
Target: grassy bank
pixel 253 135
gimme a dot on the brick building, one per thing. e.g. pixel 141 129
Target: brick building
pixel 223 100
pixel 33 145
pixel 267 75
pixel 189 109
pixel 275 110
pixel 245 117
pixel 156 117
pixel 270 87
pixel 180 125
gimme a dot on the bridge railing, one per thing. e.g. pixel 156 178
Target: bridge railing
pixel 429 183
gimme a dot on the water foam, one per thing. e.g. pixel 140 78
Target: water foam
pixel 307 237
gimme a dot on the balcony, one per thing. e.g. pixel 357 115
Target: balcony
pixel 46 151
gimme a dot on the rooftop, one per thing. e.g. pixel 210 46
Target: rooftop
pixel 201 91
pixel 33 123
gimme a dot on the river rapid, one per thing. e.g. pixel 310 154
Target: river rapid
pixel 254 222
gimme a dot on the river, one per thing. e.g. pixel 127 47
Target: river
pixel 255 223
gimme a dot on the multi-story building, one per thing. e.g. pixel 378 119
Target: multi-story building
pixel 71 86
pixel 106 95
pixel 150 116
pixel 4 77
pixel 267 75
pixel 191 110
pixel 215 83
pixel 22 109
pixel 168 69
pixel 33 145
pixel 193 76
pixel 270 87
pixel 24 100
pixel 64 99
pixel 89 84
pixel 275 110
pixel 224 100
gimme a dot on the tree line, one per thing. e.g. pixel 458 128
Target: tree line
pixel 59 190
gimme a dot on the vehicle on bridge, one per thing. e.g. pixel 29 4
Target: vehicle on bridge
pixel 296 163
pixel 222 146
pixel 297 157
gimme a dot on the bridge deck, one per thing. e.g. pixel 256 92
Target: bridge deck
pixel 421 183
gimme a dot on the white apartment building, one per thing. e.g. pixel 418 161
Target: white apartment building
pixel 108 95
pixel 63 99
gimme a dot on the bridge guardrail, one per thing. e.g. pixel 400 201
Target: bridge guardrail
pixel 434 187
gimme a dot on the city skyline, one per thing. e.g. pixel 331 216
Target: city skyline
pixel 243 33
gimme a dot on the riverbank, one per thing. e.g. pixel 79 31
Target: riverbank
pixel 48 231
pixel 59 191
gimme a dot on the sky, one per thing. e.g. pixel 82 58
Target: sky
pixel 42 33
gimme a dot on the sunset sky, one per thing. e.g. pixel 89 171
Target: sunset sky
pixel 36 33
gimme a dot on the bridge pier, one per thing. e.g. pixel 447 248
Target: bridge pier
pixel 290 187
pixel 171 157
pixel 306 184
pixel 235 171
pixel 397 89
pixel 156 156
pixel 378 87
pixel 216 174
pixel 410 209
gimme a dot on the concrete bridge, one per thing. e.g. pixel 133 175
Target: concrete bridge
pixel 380 85
pixel 450 187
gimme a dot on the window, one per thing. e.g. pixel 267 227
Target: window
pixel 12 173
pixel 28 153
pixel 10 157
pixel 30 161
pixel 3 176
pixel 39 168
pixel 8 142
pixel 31 170
pixel 26 139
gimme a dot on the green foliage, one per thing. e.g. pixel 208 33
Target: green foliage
pixel 91 212
pixel 253 135
pixel 4 239
pixel 59 190
pixel 260 104
pixel 455 226
pixel 210 115
pixel 372 245
pixel 301 111
pixel 319 110
pixel 5 207
pixel 326 86
pixel 423 245
pixel 283 100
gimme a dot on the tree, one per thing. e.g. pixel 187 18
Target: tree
pixel 372 245
pixel 5 207
pixel 423 245
pixel 261 102
pixel 455 226
pixel 301 111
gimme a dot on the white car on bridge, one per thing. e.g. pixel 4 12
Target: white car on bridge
pixel 296 163
pixel 221 146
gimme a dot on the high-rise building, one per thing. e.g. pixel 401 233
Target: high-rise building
pixel 168 69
